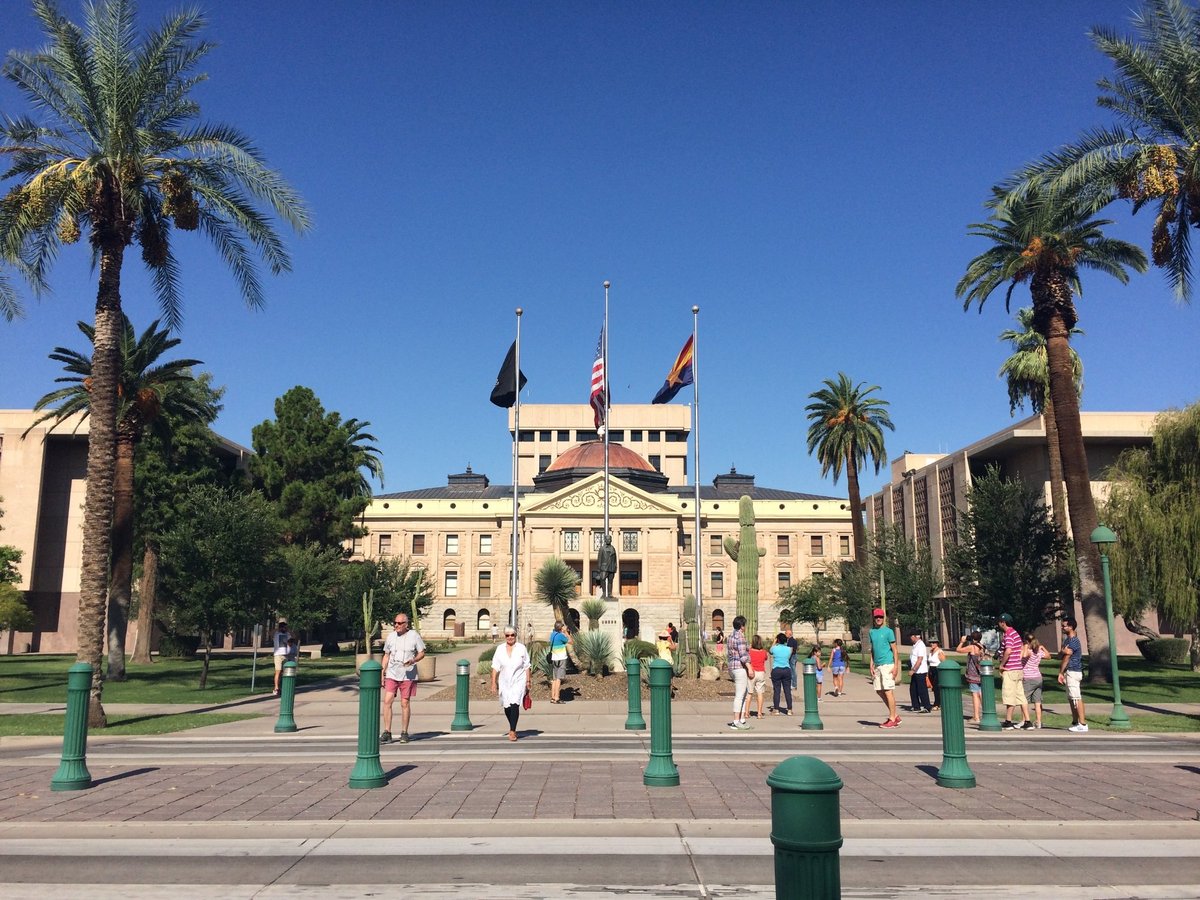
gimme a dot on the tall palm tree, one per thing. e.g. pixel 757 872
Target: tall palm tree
pixel 847 428
pixel 1151 155
pixel 147 389
pixel 1044 238
pixel 1028 380
pixel 118 151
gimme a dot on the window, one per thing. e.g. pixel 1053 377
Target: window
pixel 714 544
pixel 685 543
pixel 597 540
pixel 844 544
pixel 485 544
pixel 452 543
pixel 582 436
pixel 656 461
pixel 564 435
pixel 617 434
pixel 629 542
pixel 525 437
pixel 676 437
pixel 543 463
pixel 635 435
pixel 654 435
pixel 452 583
pixel 687 581
pixel 571 541
pixel 816 545
pixel 485 583
pixel 628 579
pixel 356 546
pixel 543 435
pixel 783 545
pixel 785 581
pixel 418 545
pixel 718 585
pixel 385 545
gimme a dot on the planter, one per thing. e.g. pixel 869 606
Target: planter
pixel 427 668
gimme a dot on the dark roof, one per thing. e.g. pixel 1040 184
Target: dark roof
pixel 754 493
pixel 464 492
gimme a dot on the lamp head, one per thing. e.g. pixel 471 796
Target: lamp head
pixel 1103 537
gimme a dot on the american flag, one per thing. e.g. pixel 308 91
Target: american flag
pixel 599 397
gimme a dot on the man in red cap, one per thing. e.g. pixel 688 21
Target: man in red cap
pixel 885 666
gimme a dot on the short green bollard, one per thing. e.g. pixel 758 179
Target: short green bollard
pixel 661 771
pixel 812 718
pixel 72 774
pixel 987 691
pixel 368 773
pixel 955 772
pixel 806 829
pixel 287 700
pixel 462 696
pixel 634 721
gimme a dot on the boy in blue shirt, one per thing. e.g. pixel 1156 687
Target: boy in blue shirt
pixel 885 666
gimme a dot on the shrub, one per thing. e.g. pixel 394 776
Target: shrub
pixel 178 646
pixel 485 661
pixel 594 609
pixel 1165 651
pixel 593 649
pixel 638 649
pixel 539 658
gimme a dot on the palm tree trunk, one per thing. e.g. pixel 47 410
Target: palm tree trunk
pixel 856 512
pixel 1052 303
pixel 120 589
pixel 101 461
pixel 1058 500
pixel 146 597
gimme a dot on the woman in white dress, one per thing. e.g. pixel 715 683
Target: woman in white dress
pixel 510 678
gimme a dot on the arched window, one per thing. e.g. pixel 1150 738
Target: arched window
pixel 631 623
pixel 718 620
pixel 448 620
pixel 483 621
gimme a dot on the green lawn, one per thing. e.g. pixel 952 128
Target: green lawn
pixel 43 679
pixel 26 724
pixel 1144 722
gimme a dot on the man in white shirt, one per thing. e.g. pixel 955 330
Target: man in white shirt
pixel 918 685
pixel 402 650
pixel 281 651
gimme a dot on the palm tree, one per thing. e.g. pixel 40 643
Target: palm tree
pixel 1028 380
pixel 118 152
pixel 1045 238
pixel 148 388
pixel 847 427
pixel 555 585
pixel 1152 154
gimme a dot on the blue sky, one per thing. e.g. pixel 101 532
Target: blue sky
pixel 805 173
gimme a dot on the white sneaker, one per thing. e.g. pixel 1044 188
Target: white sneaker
pixel 1078 729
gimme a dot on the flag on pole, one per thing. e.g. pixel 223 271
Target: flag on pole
pixel 599 396
pixel 680 375
pixel 504 394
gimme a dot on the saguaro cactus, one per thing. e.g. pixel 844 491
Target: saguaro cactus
pixel 747 553
pixel 687 656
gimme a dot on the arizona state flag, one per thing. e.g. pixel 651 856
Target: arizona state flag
pixel 504 394
pixel 679 376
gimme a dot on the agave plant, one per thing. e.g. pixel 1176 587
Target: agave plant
pixel 594 651
pixel 594 609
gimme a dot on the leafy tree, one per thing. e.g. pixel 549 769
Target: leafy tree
pixel 218 562
pixel 858 589
pixel 911 581
pixel 399 585
pixel 1154 508
pixel 847 428
pixel 14 613
pixel 1010 557
pixel 310 464
pixel 9 557
pixel 554 585
pixel 1046 238
pixel 309 580
pixel 148 388
pixel 118 152
pixel 814 601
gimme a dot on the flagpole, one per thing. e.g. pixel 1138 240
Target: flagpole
pixel 512 613
pixel 698 585
pixel 606 428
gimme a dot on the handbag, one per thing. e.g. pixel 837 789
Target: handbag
pixel 527 703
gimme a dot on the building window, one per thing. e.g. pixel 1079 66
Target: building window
pixel 783 545
pixel 656 461
pixel 654 435
pixel 485 544
pixel 617 434
pixel 718 585
pixel 448 620
pixel 543 435
pixel 564 436
pixel 714 544
pixel 676 437
pixel 451 544
pixel 525 437
pixel 844 544
pixel 785 581
pixel 452 583
pixel 418 545
pixel 629 542
pixel 356 546
pixel 571 541
pixel 597 540
pixel 687 581
pixel 635 435
pixel 485 583
pixel 385 545
pixel 816 545
pixel 629 579
pixel 582 436
pixel 543 463
pixel 685 543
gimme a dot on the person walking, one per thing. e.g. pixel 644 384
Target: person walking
pixel 560 639
pixel 402 650
pixel 794 646
pixel 936 655
pixel 918 675
pixel 510 678
pixel 781 674
pixel 280 643
pixel 738 659
pixel 972 645
pixel 758 678
pixel 1012 690
pixel 885 666
pixel 1032 655
pixel 838 663
pixel 1070 675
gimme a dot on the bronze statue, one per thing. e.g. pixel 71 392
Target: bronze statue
pixel 606 566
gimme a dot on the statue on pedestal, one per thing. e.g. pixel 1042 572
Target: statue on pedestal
pixel 606 566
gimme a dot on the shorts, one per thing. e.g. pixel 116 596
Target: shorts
pixel 885 677
pixel 406 688
pixel 820 676
pixel 1074 682
pixel 838 670
pixel 1033 690
pixel 280 659
pixel 760 682
pixel 558 668
pixel 1012 689
pixel 974 687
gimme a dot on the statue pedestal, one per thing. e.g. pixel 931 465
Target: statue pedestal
pixel 610 624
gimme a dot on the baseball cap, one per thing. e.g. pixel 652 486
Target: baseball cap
pixel 877 612
pixel 1005 617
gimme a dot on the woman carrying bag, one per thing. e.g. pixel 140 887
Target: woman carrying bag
pixel 510 678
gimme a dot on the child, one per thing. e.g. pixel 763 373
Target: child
pixel 293 650
pixel 816 655
pixel 1032 655
pixel 837 665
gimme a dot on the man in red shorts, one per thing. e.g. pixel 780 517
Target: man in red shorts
pixel 401 652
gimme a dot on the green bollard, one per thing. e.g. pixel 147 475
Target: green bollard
pixel 812 718
pixel 462 696
pixel 955 772
pixel 368 773
pixel 661 771
pixel 806 829
pixel 987 675
pixel 634 721
pixel 287 700
pixel 73 774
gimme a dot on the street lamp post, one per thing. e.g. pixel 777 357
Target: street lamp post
pixel 1104 538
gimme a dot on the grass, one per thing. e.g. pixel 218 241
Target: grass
pixel 25 724
pixel 43 679
pixel 1141 722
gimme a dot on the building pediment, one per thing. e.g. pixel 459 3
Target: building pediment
pixel 587 497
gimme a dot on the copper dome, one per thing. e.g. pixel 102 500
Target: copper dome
pixel 590 455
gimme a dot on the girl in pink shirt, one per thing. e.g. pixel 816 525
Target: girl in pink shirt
pixel 1032 654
